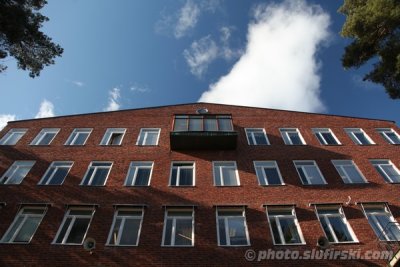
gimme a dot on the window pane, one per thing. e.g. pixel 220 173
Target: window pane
pixel 392 136
pixel 272 176
pixel 295 138
pixel 229 176
pixel 289 230
pixel 260 138
pixel 210 124
pixel 78 231
pixel 341 229
pixel 330 140
pixel 130 232
pixel 151 138
pixel 225 124
pixel 186 177
pixel 303 177
pixel 354 174
pixel 183 232
pixel 168 232
pixel 362 138
pixel 142 177
pixel 195 124
pixel 81 138
pixel 18 175
pixel 327 230
pixel 115 232
pixel 313 175
pixel 275 231
pixel 237 231
pixel 100 176
pixel 221 231
pixel 115 139
pixel 12 231
pixel 47 138
pixel 59 176
pixel 390 228
pixel 28 229
pixel 180 124
pixel 63 230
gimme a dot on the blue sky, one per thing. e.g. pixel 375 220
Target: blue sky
pixel 132 54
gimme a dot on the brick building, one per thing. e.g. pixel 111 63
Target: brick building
pixel 197 184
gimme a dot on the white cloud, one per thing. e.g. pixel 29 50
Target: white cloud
pixel 113 99
pixel 78 83
pixel 4 118
pixel 139 88
pixel 46 109
pixel 187 19
pixel 226 51
pixel 279 68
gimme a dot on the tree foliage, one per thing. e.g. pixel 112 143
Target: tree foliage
pixel 374 26
pixel 21 38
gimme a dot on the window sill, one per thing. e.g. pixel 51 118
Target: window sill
pixel 184 186
pixel 137 186
pixel 294 244
pixel 271 185
pixel 344 243
pixel 234 246
pixel 227 185
pixel 74 145
pixel 122 246
pixel 188 246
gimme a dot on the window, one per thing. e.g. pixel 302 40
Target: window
pixel 113 137
pixel 268 173
pixel 256 137
pixel 325 136
pixel 232 227
pixel 387 170
pixel 12 137
pixel 334 224
pixel 56 173
pixel 358 136
pixel 24 225
pixel 78 137
pixel 349 172
pixel 284 226
pixel 182 174
pixel 74 227
pixel 194 123
pixel 139 173
pixel 17 172
pixel 390 136
pixel 45 137
pixel 125 229
pixel 225 173
pixel 309 172
pixel 97 173
pixel 292 136
pixel 178 227
pixel 148 137
pixel 382 222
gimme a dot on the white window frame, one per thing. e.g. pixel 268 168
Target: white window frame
pixel 339 164
pixel 74 136
pixel 267 164
pixel 286 138
pixel 94 172
pixel 383 132
pixel 121 227
pixel 278 224
pixel 40 136
pixel 52 165
pixel 389 163
pixel 226 217
pixel 10 172
pixel 305 173
pixel 145 131
pixel 9 135
pixel 134 166
pixel 108 134
pixel 174 218
pixel 351 133
pixel 193 167
pixel 318 133
pixel 250 135
pixel 220 172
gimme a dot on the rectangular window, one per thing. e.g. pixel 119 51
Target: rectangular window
pixel 45 137
pixel 349 172
pixel 358 136
pixel 225 173
pixel 75 225
pixel 25 224
pixel 268 173
pixel 148 137
pixel 232 227
pixel 325 136
pixel 284 226
pixel 12 137
pixel 56 173
pixel 97 173
pixel 178 227
pixel 17 172
pixel 292 136
pixel 256 136
pixel 193 123
pixel 387 170
pixel 309 172
pixel 390 135
pixel 139 173
pixel 78 137
pixel 382 222
pixel 125 229
pixel 113 137
pixel 182 174
pixel 335 225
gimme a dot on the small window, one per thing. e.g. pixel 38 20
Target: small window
pixel 256 137
pixel 358 136
pixel 325 136
pixel 17 172
pixel 78 137
pixel 335 225
pixel 182 174
pixel 292 136
pixel 232 227
pixel 148 137
pixel 113 137
pixel 56 173
pixel 45 137
pixel 268 173
pixel 139 173
pixel 349 172
pixel 12 137
pixel 382 222
pixel 390 135
pixel 178 227
pixel 97 173
pixel 125 229
pixel 387 170
pixel 309 172
pixel 225 173
pixel 284 226
pixel 24 226
pixel 75 225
